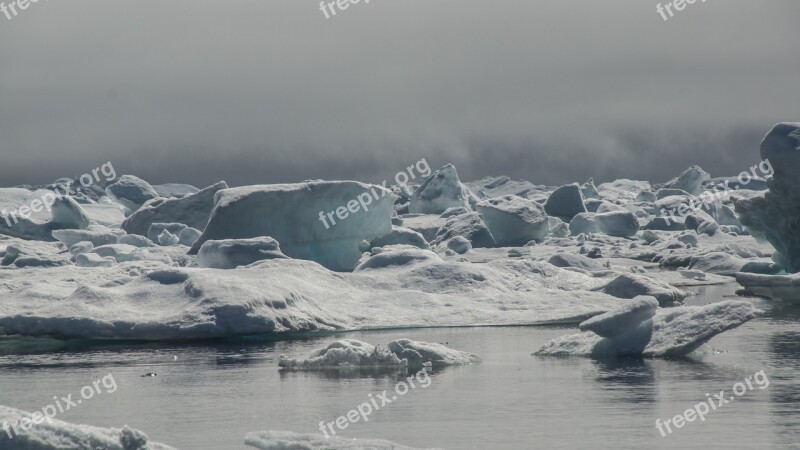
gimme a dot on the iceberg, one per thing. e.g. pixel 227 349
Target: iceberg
pixel 514 221
pixel 773 215
pixel 566 202
pixel 293 214
pixel 614 223
pixel 131 192
pixel 440 191
pixel 191 210
pixel 671 332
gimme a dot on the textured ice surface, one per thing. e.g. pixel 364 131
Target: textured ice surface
pixel 192 210
pixel 672 332
pixel 131 192
pixel 290 213
pixel 231 253
pixel 775 215
pixel 53 434
pixel 622 319
pixel 566 202
pixel 419 354
pixel 514 220
pixel 778 287
pixel 614 223
pixel 691 180
pixel 343 354
pixel 145 299
pixel 631 286
pixel 440 191
pixel 286 440
pixel 470 226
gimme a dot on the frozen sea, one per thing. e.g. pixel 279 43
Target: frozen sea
pixel 208 395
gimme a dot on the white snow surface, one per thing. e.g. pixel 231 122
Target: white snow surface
pixel 146 299
pixel 54 434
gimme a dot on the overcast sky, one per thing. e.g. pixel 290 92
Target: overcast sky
pixel 268 91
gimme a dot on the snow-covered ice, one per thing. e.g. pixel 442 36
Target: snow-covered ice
pixel 672 332
pixel 54 434
pixel 291 214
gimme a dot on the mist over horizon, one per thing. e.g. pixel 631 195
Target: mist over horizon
pixel 271 93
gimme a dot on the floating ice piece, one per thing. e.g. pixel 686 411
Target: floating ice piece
pixel 418 354
pixel 615 223
pixel 566 202
pixel 623 319
pixel 691 180
pixel 440 191
pixel 774 215
pixel 345 354
pixel 131 192
pixel 513 220
pixel 469 226
pixel 286 440
pixel 293 214
pixel 777 287
pixel 631 286
pixel 232 253
pixel 53 434
pixel 672 332
pixel 192 210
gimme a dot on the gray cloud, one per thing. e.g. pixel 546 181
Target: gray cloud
pixel 263 92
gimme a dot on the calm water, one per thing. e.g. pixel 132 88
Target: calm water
pixel 209 395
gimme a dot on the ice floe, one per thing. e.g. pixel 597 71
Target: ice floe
pixel 37 432
pixel 671 332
